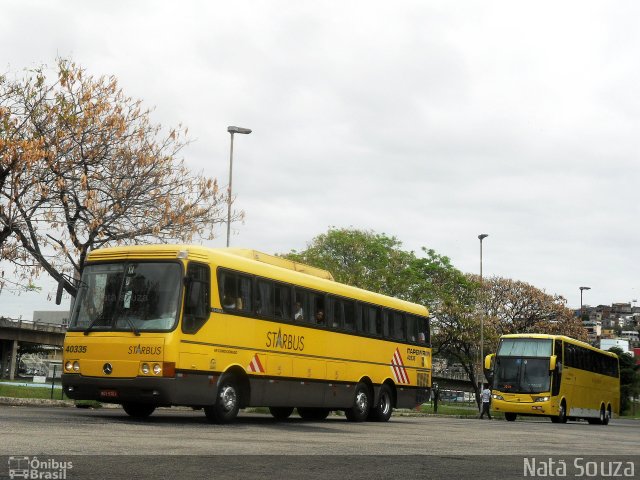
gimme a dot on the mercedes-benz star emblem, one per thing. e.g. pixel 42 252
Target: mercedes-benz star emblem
pixel 107 368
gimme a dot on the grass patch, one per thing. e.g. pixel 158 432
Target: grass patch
pixel 458 409
pixel 18 391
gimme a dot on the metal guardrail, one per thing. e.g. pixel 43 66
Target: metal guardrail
pixel 31 325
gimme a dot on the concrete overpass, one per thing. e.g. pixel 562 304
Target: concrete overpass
pixel 12 332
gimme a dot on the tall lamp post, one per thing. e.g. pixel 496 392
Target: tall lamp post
pixel 481 237
pixel 232 130
pixel 581 307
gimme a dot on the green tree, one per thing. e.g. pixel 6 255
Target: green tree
pixel 377 262
pixel 629 378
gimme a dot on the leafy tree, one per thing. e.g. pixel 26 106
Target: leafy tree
pixel 629 378
pixel 518 307
pixel 378 263
pixel 85 168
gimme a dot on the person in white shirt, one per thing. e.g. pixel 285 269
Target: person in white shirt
pixel 486 402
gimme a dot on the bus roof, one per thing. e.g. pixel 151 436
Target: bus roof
pixel 256 263
pixel 556 337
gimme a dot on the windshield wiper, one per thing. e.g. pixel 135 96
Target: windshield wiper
pixel 133 327
pixel 92 324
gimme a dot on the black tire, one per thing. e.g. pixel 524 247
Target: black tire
pixel 562 414
pixel 510 416
pixel 607 416
pixel 227 404
pixel 281 413
pixel 138 410
pixel 361 404
pixel 313 414
pixel 382 411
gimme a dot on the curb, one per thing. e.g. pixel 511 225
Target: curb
pixel 38 402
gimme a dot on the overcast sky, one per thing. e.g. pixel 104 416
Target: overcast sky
pixel 432 121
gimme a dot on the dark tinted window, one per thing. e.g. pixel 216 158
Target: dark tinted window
pixel 235 291
pixel 197 305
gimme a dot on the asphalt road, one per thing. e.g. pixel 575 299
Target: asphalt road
pixel 105 443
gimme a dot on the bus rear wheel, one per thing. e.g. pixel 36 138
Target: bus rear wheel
pixel 281 413
pixel 607 416
pixel 361 404
pixel 138 410
pixel 314 414
pixel 510 416
pixel 382 411
pixel 227 404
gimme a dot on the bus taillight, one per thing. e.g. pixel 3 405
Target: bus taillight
pixel 168 369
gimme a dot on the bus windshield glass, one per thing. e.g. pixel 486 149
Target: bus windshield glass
pixel 522 365
pixel 128 296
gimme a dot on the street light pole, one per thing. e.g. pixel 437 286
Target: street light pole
pixel 232 130
pixel 581 308
pixel 481 237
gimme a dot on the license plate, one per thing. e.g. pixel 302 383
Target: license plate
pixel 109 393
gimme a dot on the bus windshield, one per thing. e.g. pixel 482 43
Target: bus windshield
pixel 522 365
pixel 128 296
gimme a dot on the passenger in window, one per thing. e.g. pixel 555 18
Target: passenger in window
pixel 228 302
pixel 298 316
pixel 320 317
pixel 421 337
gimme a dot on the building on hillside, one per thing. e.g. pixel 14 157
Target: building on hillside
pixel 594 331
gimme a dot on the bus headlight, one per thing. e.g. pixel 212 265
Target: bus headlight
pixel 157 369
pixel 542 399
pixel 76 366
pixel 497 397
pixel 68 366
pixel 145 368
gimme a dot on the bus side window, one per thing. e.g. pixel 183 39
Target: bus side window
pixel 373 320
pixel 235 291
pixel 412 327
pixel 359 315
pixel 196 304
pixel 282 301
pixel 320 312
pixel 349 311
pixel 264 298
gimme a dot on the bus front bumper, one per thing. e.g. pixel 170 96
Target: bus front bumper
pixel 163 391
pixel 544 408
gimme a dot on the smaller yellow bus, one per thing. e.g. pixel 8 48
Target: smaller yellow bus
pixel 553 376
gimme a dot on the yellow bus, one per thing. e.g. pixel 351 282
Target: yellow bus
pixel 554 376
pixel 225 329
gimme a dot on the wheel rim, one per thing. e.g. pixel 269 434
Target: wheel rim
pixel 228 398
pixel 561 413
pixel 385 403
pixel 361 401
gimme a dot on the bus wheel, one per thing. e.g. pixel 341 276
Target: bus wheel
pixel 562 415
pixel 607 416
pixel 138 410
pixel 281 413
pixel 604 416
pixel 382 411
pixel 510 416
pixel 315 414
pixel 361 404
pixel 227 404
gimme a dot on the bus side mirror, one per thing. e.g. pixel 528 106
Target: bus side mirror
pixel 552 362
pixel 59 292
pixel 488 361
